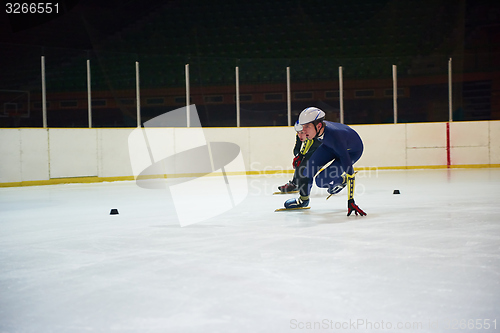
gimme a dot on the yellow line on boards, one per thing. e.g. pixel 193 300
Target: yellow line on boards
pixel 70 180
pixel 83 180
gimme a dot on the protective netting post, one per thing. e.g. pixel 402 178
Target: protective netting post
pixel 44 94
pixel 138 94
pixel 238 110
pixel 188 97
pixel 395 92
pixel 89 94
pixel 450 92
pixel 341 95
pixel 288 97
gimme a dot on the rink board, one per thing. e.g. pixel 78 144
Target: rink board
pixel 42 156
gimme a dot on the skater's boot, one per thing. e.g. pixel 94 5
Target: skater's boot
pixel 336 189
pixel 297 203
pixel 288 187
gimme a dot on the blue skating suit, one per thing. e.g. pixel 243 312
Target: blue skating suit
pixel 340 143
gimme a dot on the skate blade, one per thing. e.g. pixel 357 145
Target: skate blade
pixel 283 209
pixel 290 192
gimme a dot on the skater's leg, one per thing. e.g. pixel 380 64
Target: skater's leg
pixel 331 177
pixel 306 171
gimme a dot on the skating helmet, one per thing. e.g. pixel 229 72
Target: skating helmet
pixel 311 114
pixel 297 126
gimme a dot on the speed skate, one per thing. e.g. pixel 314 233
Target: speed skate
pixel 297 208
pixel 289 192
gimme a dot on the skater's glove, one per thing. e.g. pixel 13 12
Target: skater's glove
pixel 296 161
pixel 352 207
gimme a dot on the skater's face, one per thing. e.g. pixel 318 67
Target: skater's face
pixel 302 135
pixel 310 130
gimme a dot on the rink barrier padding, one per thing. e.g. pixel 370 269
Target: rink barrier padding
pixel 89 180
pixel 37 156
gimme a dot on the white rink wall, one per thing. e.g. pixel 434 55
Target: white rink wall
pixel 38 156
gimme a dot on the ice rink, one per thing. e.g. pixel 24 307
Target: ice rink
pixel 427 259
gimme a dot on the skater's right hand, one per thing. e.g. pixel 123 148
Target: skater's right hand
pixel 352 207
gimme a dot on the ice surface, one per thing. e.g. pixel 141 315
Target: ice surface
pixel 426 259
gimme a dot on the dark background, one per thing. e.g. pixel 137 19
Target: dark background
pixel 262 38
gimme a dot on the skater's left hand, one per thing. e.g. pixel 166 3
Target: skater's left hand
pixel 296 161
pixel 352 207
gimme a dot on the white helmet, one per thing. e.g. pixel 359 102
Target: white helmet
pixel 297 126
pixel 310 114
